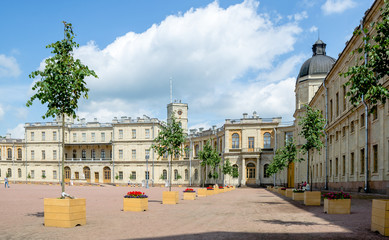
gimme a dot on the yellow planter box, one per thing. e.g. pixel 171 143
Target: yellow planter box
pixel 282 192
pixel 210 192
pixel 312 198
pixel 135 204
pixel 170 197
pixel 179 185
pixel 189 195
pixel 202 192
pixel 289 193
pixel 65 213
pixel 221 190
pixel 337 206
pixel 380 216
pixel 298 196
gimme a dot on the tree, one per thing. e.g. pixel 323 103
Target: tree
pixel 210 157
pixel 312 130
pixel 170 140
pixel 61 83
pixel 227 168
pixel 283 157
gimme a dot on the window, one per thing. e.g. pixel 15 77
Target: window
pixel 43 154
pixel 133 154
pixel 32 136
pixel 337 135
pixel 196 174
pixel 352 127
pixel 74 137
pixel 321 170
pixel 147 175
pixel 344 98
pixel 175 174
pixel 120 133
pixel 93 136
pixel 344 132
pixel 265 167
pixel 352 163
pixel 74 153
pixel 344 165
pixel 147 153
pixel 235 171
pixel 32 155
pixel 9 153
pixel 32 174
pixel 54 174
pixel 375 113
pixel 120 154
pixel 103 137
pixel 120 175
pixel 102 153
pixel 186 174
pixel 84 137
pixel 330 168
pixel 197 148
pixel 288 136
pixel 187 151
pixel 43 173
pixel 147 133
pixel 375 158
pixel 93 154
pixel 19 153
pixel 133 175
pixel 337 104
pixel 54 136
pixel 83 154
pixel 266 140
pixel 336 167
pixel 0 155
pixel 133 133
pixel 165 155
pixel 43 136
pixel 331 110
pixel 76 175
pixel 235 140
pixel 251 143
pixel 362 160
pixel 9 172
pixel 19 173
pixel 362 120
pixel 164 174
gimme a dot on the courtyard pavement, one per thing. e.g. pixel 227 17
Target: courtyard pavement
pixel 248 213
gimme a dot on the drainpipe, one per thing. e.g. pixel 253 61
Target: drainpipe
pixel 366 189
pixel 25 149
pixel 113 156
pixel 274 152
pixel 190 160
pixel 326 136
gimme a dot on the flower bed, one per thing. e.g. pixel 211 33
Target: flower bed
pixel 189 190
pixel 337 203
pixel 298 191
pixel 189 194
pixel 209 188
pixel 135 194
pixel 336 195
pixel 135 201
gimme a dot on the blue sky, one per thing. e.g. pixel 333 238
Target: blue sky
pixel 225 57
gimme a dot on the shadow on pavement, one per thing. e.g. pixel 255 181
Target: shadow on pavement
pixel 37 214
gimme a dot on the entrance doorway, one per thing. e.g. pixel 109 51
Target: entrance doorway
pixel 67 174
pixel 250 173
pixel 96 177
pixel 87 174
pixel 107 175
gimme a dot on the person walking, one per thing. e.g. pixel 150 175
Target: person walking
pixel 6 182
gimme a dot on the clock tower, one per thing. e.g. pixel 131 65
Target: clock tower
pixel 180 111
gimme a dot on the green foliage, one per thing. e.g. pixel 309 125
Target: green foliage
pixel 227 168
pixel 179 176
pixel 235 172
pixel 210 157
pixel 282 158
pixel 364 79
pixel 162 177
pixel 312 129
pixel 28 176
pixel 43 176
pixel 61 83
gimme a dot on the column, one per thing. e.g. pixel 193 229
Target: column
pixel 243 174
pixel 257 175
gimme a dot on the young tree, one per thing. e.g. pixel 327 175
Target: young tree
pixel 227 169
pixel 282 158
pixel 61 83
pixel 210 157
pixel 312 130
pixel 170 140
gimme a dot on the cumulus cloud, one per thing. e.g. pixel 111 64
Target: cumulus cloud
pixel 208 52
pixel 298 16
pixel 17 132
pixel 313 29
pixel 337 6
pixel 1 112
pixel 8 66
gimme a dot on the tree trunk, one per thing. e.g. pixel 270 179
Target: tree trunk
pixel 170 173
pixel 63 153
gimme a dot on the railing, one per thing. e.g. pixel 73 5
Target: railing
pixel 251 149
pixel 88 159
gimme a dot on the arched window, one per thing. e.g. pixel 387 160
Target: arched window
pixel 265 167
pixel 235 171
pixel 9 173
pixel 9 153
pixel 235 140
pixel 19 153
pixel 196 174
pixel 19 173
pixel 74 153
pixel 164 174
pixel 83 154
pixel 107 174
pixel 197 147
pixel 87 173
pixel 266 140
pixel 186 174
pixel 175 174
pixel 67 173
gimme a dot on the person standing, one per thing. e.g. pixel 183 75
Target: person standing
pixel 6 182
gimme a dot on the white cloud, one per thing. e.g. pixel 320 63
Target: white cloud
pixel 1 112
pixel 298 16
pixel 337 6
pixel 313 29
pixel 8 66
pixel 17 132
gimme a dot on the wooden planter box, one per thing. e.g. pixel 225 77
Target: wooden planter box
pixel 289 193
pixel 189 195
pixel 298 196
pixel 65 213
pixel 380 216
pixel 210 192
pixel 221 190
pixel 312 198
pixel 135 204
pixel 202 192
pixel 169 197
pixel 282 192
pixel 337 206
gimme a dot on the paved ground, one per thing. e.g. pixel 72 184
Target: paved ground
pixel 239 214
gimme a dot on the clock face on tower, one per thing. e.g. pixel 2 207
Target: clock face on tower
pixel 179 112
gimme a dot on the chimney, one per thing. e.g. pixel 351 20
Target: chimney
pixel 254 114
pixel 245 115
pixel 8 136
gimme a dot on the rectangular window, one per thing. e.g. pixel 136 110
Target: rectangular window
pixel 93 154
pixel 336 167
pixel 102 153
pixel 375 158
pixel 362 120
pixel 54 174
pixel 84 137
pixel 120 154
pixel 120 133
pixel 43 173
pixel 288 136
pixel 344 98
pixel 337 135
pixel 43 136
pixel 362 160
pixel 93 135
pixel 331 110
pixel 54 154
pixel 74 137
pixel 54 136
pixel 321 170
pixel 32 174
pixel 103 137
pixel 76 175
pixel 147 154
pixel 120 175
pixel 352 127
pixel 344 165
pixel 32 136
pixel 147 133
pixel 352 164
pixel 330 168
pixel 344 132
pixel 133 155
pixel 133 133
pixel 32 155
pixel 337 104
pixel 147 173
pixel 133 175
pixel 251 143
pixel 375 112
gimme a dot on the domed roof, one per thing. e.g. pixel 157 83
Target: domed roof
pixel 319 63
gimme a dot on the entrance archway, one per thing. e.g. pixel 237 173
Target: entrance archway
pixel 250 173
pixel 68 173
pixel 107 175
pixel 87 174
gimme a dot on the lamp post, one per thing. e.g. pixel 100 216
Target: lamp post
pixel 147 171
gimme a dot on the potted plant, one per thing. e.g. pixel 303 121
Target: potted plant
pixel 298 195
pixel 210 191
pixel 380 216
pixel 289 192
pixel 282 191
pixel 189 194
pixel 337 203
pixel 221 189
pixel 135 201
